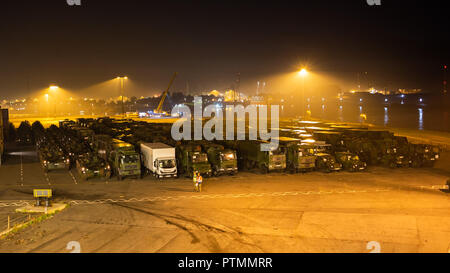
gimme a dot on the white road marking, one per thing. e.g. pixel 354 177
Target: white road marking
pixel 73 177
pixel 47 178
pixel 8 203
pixel 21 169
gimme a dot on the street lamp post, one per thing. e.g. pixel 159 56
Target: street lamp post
pixel 303 73
pixel 122 92
pixel 54 89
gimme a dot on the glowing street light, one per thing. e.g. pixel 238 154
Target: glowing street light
pixel 303 72
pixel 53 87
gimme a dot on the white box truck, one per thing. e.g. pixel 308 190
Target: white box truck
pixel 159 159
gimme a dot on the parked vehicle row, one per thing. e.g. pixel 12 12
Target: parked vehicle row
pixel 108 147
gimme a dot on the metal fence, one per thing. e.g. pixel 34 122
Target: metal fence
pixel 9 222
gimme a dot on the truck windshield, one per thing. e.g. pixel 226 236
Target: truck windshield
pixel 129 159
pixel 199 158
pixel 228 156
pixel 305 152
pixel 277 152
pixel 165 164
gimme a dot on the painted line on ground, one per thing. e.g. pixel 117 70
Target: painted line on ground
pixel 73 177
pixel 21 169
pixel 15 203
pixel 47 178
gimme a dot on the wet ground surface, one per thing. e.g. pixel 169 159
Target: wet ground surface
pixel 402 209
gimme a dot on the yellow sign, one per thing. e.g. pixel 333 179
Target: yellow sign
pixel 42 193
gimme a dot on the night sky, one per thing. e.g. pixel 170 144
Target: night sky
pixel 401 45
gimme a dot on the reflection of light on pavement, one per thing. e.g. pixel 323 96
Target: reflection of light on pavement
pixel 386 116
pixel 420 119
pixel 360 109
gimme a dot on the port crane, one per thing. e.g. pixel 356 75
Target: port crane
pixel 159 110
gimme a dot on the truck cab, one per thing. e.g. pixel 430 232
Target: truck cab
pixel 165 167
pixel 124 159
pixel 350 162
pixel 159 159
pixel 327 163
pixel 191 158
pixel 223 161
pixel 252 156
pixel 299 156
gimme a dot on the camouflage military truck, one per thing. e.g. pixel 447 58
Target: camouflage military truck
pixel 24 133
pixel 404 156
pixel 252 156
pixel 91 165
pixel 336 139
pixel 52 157
pixel 223 161
pixel 67 123
pixel 190 158
pixel 423 155
pixel 327 163
pixel 84 134
pixel 350 161
pixel 121 156
pixel 299 156
pixel 364 148
pixel 388 154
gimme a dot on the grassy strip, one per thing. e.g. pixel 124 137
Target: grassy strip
pixel 36 220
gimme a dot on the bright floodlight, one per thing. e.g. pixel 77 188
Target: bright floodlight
pixel 53 87
pixel 303 72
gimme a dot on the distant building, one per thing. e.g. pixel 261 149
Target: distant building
pixel 410 91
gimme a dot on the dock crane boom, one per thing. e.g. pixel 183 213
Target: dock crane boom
pixel 158 110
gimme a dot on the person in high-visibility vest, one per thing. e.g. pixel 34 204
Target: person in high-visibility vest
pixel 199 182
pixel 195 179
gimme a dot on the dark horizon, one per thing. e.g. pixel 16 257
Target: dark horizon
pixel 400 45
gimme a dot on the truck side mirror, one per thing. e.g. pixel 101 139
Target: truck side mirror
pixel 154 164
